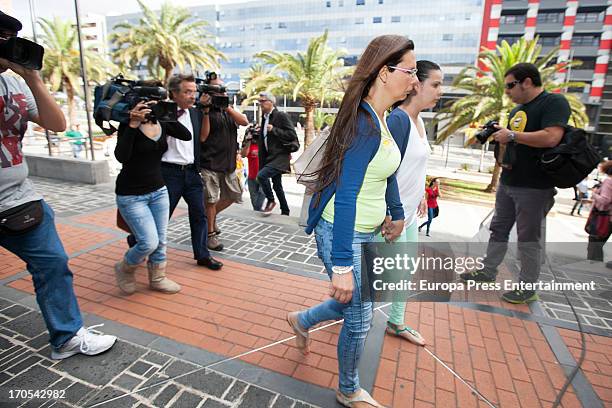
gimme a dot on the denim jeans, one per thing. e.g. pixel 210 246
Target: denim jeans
pixel 256 193
pixel 187 183
pixel 527 207
pixel 147 216
pixel 44 255
pixel 357 314
pixel 264 176
pixel 430 217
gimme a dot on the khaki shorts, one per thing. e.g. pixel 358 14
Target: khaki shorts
pixel 221 186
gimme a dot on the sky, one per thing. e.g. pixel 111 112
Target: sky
pixel 65 8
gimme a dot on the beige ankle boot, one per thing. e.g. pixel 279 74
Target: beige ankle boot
pixel 158 280
pixel 124 273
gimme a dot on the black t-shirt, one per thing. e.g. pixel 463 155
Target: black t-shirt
pixel 141 158
pixel 218 152
pixel 544 111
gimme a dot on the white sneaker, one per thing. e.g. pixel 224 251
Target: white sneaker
pixel 85 342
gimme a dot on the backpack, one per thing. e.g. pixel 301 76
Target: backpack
pixel 568 163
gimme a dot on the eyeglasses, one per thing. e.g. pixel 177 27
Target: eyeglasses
pixel 512 84
pixel 262 100
pixel 411 72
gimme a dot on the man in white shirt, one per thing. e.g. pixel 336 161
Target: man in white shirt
pixel 180 167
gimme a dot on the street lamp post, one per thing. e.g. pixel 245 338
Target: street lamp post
pixel 33 19
pixel 84 76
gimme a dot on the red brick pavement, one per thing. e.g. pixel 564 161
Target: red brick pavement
pixel 244 307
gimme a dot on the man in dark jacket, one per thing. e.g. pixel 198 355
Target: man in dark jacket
pixel 276 130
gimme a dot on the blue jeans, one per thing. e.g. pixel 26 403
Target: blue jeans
pixel 44 255
pixel 147 216
pixel 188 184
pixel 430 217
pixel 357 314
pixel 264 176
pixel 256 193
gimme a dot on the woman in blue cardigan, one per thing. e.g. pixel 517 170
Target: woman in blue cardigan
pixel 355 189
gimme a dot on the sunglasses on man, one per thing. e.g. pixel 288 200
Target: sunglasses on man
pixel 512 84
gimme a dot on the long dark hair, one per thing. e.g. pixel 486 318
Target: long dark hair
pixel 382 50
pixel 424 68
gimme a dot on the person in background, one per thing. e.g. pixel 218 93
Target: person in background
pixel 433 192
pixel 274 159
pixel 355 189
pixel 250 150
pixel 76 141
pixel 39 247
pixel 602 200
pixel 582 194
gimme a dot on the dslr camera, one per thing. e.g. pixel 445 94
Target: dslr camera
pixel 487 130
pixel 23 52
pixel 252 132
pixel 219 102
pixel 114 100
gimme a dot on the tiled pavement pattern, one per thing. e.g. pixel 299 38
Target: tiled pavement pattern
pixel 25 364
pixel 508 360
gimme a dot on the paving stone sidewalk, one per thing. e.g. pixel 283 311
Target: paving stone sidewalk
pixel 512 356
pixel 81 381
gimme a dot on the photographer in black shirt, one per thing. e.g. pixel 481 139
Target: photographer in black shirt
pixel 218 156
pixel 525 194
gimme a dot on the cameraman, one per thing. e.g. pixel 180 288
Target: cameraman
pixel 526 193
pixel 218 157
pixel 39 247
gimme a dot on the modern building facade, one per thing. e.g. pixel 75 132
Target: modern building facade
pixel 446 31
pixel 581 28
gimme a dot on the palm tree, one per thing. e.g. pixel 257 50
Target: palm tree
pixel 312 77
pixel 255 80
pixel 486 98
pixel 165 41
pixel 62 65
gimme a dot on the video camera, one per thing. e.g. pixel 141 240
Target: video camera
pixel 204 87
pixel 24 52
pixel 114 100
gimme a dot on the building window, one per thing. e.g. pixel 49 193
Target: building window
pixel 359 20
pixel 377 20
pixel 447 37
pixel 510 39
pixel 396 19
pixel 550 41
pixel 282 25
pixel 340 3
pixel 554 17
pixel 513 19
pixel 360 2
pixel 381 1
pixel 590 17
pixel 268 26
pixel 328 4
pixel 585 40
